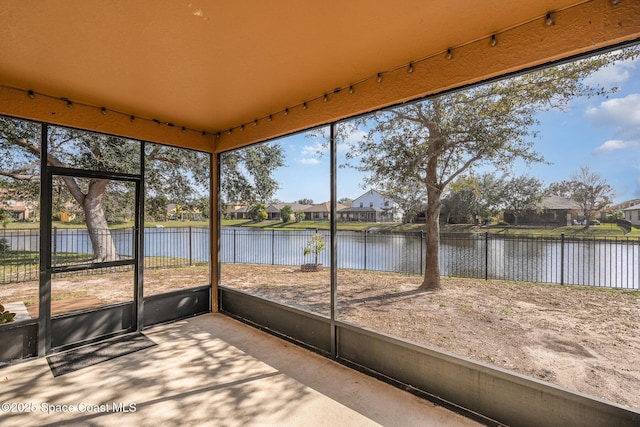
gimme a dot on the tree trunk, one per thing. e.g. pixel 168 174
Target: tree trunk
pixel 587 218
pixel 103 247
pixel 91 203
pixel 432 257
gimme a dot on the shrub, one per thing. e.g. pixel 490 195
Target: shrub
pixel 258 212
pixel 5 315
pixel 315 245
pixel 4 246
pixel 5 218
pixel 285 213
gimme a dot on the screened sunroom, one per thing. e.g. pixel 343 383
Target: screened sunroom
pixel 160 158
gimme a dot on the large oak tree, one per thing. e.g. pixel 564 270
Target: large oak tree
pixel 430 143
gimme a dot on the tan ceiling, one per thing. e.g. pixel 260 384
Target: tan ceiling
pixel 213 65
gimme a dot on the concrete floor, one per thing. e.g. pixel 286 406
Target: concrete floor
pixel 212 370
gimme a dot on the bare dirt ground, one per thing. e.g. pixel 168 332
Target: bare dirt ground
pixel 584 339
pixel 109 288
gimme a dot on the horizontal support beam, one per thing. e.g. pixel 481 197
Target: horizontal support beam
pixel 17 103
pixel 583 28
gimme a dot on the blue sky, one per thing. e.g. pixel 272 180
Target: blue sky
pixel 602 133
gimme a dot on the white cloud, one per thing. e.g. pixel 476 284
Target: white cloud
pixel 623 116
pixel 316 149
pixel 311 154
pixel 320 147
pixel 352 139
pixel 356 136
pixel 616 144
pixel 613 75
pixel 309 161
pixel 621 113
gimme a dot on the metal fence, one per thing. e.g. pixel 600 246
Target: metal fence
pixel 605 262
pixel 19 252
pixel 167 247
pixel 164 248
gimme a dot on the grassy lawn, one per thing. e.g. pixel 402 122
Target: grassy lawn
pixel 177 224
pixel 595 231
pixel 33 258
pixel 17 266
pixel 21 225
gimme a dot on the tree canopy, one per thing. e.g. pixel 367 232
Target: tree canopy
pixel 246 174
pixel 591 192
pixel 520 195
pixel 470 197
pixel 561 189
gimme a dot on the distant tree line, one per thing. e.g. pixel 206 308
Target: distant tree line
pixel 471 198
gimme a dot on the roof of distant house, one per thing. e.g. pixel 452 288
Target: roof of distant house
pixel 324 207
pixel 557 202
pixel 362 209
pixel 625 204
pixel 240 209
pixel 384 194
pixel 294 206
pixel 15 208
